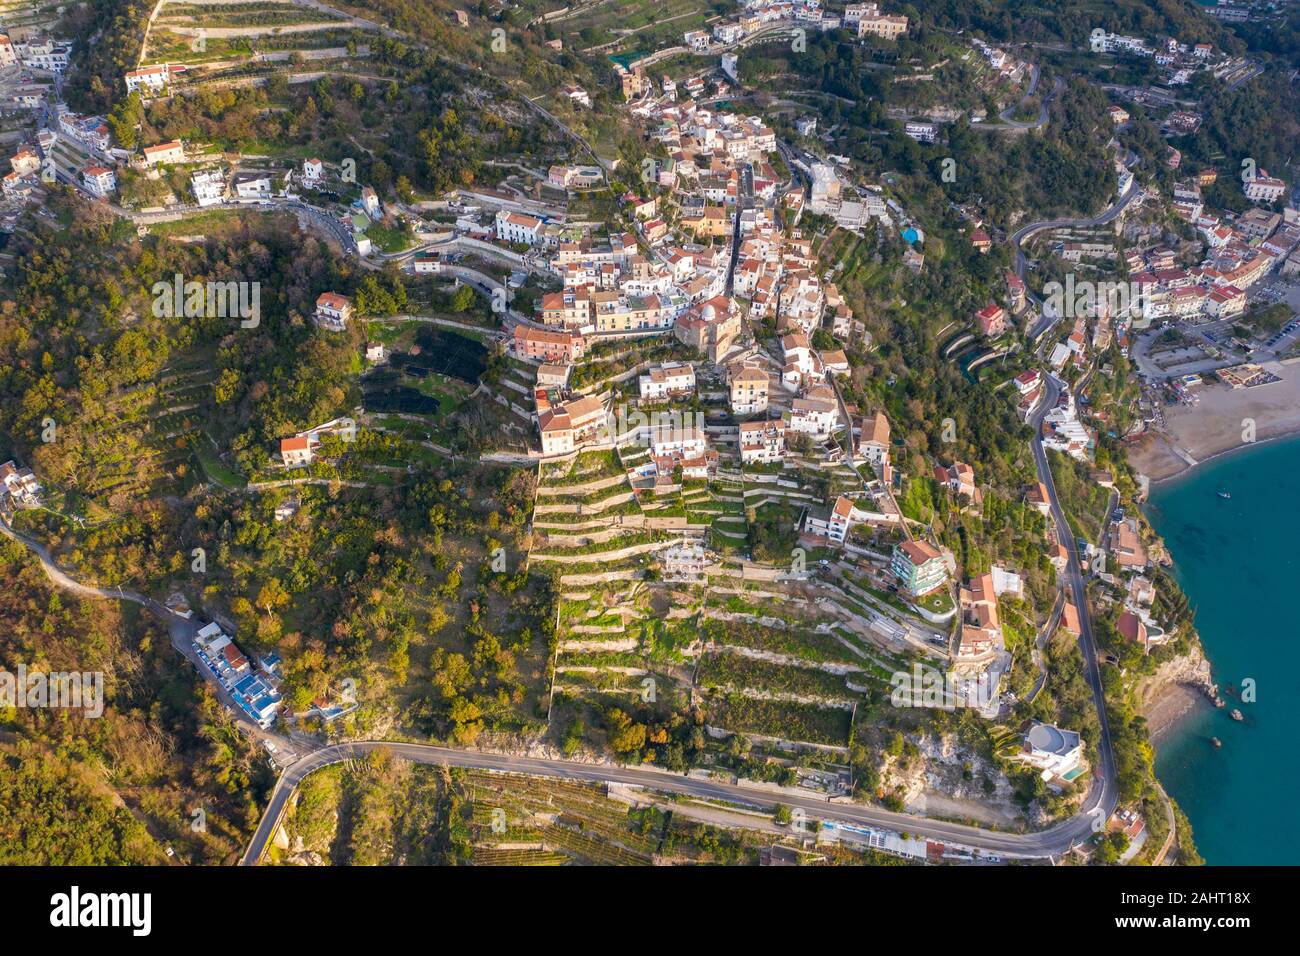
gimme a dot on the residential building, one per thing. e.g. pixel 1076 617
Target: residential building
pixel 1037 498
pixel 991 320
pixel 918 567
pixel 670 380
pixel 18 486
pixel 44 53
pixel 100 181
pixel 829 522
pixel 566 426
pixel 1133 626
pixel 1052 750
pixel 887 27
pixel 148 79
pixel 333 311
pixel 553 375
pixel 815 414
pixel 1126 544
pixel 208 186
pixel 548 344
pixel 172 152
pixel 959 478
pixel 296 451
pixel 762 442
pixel 252 185
pixel 1263 188
pixel 921 132
pixel 25 162
pixel 981 630
pixel 749 383
pixel 518 227
pixel 873 442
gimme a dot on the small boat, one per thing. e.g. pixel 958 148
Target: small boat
pixel 1224 494
pixel 1236 715
pixel 1217 742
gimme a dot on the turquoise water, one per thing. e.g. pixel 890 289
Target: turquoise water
pixel 1237 561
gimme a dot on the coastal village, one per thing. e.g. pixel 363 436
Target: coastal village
pixel 728 533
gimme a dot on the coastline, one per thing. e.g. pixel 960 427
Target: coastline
pixel 1214 427
pixel 1172 707
pixel 1179 689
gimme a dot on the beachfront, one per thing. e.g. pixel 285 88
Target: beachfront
pixel 1216 424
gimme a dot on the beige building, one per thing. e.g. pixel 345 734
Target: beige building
pixel 568 425
pixel 749 386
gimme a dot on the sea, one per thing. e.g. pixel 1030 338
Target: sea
pixel 1237 560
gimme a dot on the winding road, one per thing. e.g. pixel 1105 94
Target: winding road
pixel 1007 114
pixel 1109 214
pixel 1105 795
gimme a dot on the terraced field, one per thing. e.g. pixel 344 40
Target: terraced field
pixel 604 544
pixel 538 822
pixel 234 30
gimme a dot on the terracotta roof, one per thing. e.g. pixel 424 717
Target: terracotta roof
pixel 918 552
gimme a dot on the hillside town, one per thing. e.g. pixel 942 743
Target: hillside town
pixel 699 425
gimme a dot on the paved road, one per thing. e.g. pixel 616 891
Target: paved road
pixel 1007 115
pixel 1104 795
pixel 1034 845
pixel 1018 238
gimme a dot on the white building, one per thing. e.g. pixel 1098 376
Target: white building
pixel 99 181
pixel 208 186
pixel 921 132
pixel 1263 188
pixel 44 54
pixel 1054 751
pixel 253 185
pixel 814 415
pixel 518 227
pixel 873 442
pixel 669 380
pixel 149 79
pixel 762 442
pixel 333 311
pixel 19 485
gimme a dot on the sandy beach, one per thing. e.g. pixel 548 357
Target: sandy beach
pixel 1216 424
pixel 1174 704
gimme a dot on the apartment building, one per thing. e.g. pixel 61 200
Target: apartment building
pixel 748 383
pixel 568 425
pixel 548 345
pixel 518 227
pixel 918 567
pixel 762 442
